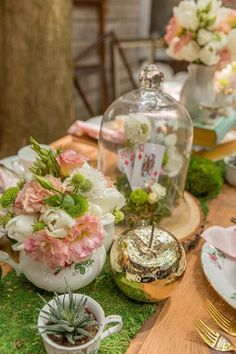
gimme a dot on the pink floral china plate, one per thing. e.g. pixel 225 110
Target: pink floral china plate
pixel 220 271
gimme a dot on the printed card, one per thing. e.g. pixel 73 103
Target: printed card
pixel 147 164
pixel 126 160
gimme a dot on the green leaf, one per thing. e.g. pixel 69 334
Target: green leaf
pixel 39 226
pixel 54 201
pixel 67 201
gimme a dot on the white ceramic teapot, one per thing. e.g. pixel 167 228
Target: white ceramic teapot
pixel 77 275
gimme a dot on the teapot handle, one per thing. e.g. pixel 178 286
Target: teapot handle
pixel 4 257
pixel 110 319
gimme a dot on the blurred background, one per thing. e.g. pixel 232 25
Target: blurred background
pixel 66 60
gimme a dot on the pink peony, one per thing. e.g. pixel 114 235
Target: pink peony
pixel 48 250
pixel 184 40
pixel 30 199
pixel 69 160
pixel 172 30
pixel 84 238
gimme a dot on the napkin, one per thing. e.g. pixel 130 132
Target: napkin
pixel 80 128
pixel 7 179
pixel 222 238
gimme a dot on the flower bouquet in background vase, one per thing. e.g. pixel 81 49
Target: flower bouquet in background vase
pixel 225 86
pixel 59 217
pixel 204 34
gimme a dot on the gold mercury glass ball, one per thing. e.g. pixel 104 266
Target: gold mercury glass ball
pixel 147 263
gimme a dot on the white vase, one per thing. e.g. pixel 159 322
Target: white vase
pixel 92 346
pixel 198 94
pixel 77 275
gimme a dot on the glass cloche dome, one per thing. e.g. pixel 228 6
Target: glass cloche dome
pixel 144 147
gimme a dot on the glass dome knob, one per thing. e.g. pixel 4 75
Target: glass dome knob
pixel 151 77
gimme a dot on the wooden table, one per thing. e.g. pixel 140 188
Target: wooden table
pixel 170 330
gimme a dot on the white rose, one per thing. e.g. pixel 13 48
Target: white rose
pixel 209 54
pixel 189 52
pixel 110 200
pixel 204 36
pixel 186 14
pixel 58 222
pixel 159 190
pixel 95 210
pixel 20 227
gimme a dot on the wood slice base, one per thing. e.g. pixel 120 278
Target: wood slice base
pixel 186 221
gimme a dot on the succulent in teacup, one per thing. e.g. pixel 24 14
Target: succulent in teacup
pixel 69 321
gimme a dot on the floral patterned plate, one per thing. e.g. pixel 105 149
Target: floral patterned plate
pixel 220 271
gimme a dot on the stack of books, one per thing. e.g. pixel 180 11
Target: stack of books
pixel 217 140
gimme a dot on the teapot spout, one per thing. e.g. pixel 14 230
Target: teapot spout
pixel 4 257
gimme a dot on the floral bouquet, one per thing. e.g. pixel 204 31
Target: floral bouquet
pixel 202 32
pixel 55 214
pixel 225 80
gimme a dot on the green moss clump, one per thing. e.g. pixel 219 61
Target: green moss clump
pixel 205 179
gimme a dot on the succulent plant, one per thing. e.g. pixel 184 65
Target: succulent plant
pixel 68 320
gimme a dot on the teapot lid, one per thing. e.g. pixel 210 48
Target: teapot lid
pixel 149 253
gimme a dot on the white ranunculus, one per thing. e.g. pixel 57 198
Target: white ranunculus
pixel 95 210
pixel 189 52
pixel 209 54
pixel 204 36
pixel 20 227
pixel 110 200
pixel 186 14
pixel 58 222
pixel 159 190
pixel 213 6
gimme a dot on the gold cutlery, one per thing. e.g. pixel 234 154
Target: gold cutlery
pixel 214 339
pixel 224 322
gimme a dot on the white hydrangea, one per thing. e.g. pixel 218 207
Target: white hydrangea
pixel 137 129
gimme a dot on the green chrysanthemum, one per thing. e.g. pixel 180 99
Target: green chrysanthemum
pixel 9 196
pixel 139 196
pixel 81 184
pixel 80 207
pixel 39 226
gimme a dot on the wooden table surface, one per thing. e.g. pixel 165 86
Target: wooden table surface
pixel 170 330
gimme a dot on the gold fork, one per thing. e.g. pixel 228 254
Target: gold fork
pixel 225 323
pixel 214 339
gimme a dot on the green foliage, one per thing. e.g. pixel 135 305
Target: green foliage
pixel 46 161
pixel 18 336
pixel 21 183
pixel 205 179
pixel 9 196
pixel 68 320
pixel 44 182
pixel 139 196
pixel 75 205
pixel 5 218
pixel 134 212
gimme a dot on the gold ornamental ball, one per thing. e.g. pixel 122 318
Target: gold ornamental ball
pixel 148 263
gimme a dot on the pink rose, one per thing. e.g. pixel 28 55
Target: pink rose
pixel 47 250
pixel 30 199
pixel 84 238
pixel 184 40
pixel 172 30
pixel 69 160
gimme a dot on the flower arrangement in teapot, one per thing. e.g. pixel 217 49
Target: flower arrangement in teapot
pixel 54 215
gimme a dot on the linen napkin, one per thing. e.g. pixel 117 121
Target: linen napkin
pixel 80 128
pixel 222 238
pixel 7 179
